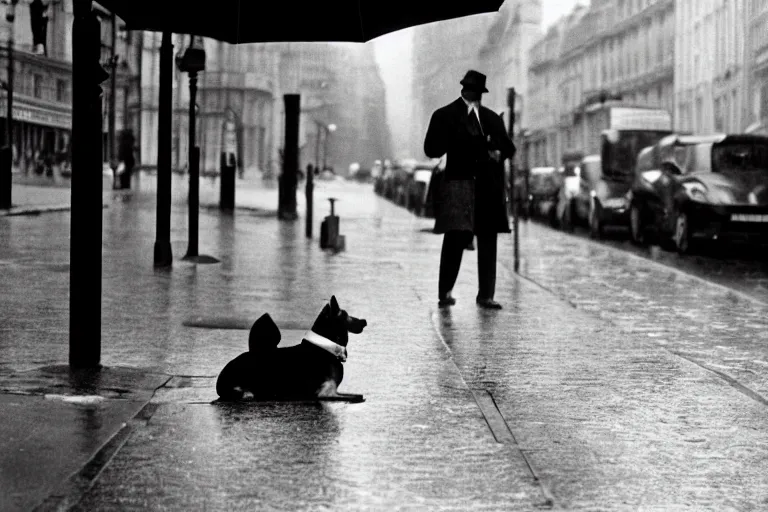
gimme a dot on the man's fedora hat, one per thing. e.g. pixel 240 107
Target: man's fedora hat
pixel 474 80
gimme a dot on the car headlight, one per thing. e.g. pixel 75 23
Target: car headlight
pixel 696 191
pixel 651 176
pixel 615 202
pixel 721 195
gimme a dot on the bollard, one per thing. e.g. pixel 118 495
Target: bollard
pixel 227 183
pixel 329 231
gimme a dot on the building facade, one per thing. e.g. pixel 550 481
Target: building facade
pixel 339 85
pixel 42 86
pixel 709 68
pixel 504 56
pixel 542 134
pixel 611 49
pixel 239 82
pixel 756 72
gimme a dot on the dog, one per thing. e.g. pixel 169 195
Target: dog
pixel 311 370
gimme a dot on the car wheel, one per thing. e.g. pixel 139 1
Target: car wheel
pixel 636 227
pixel 682 236
pixel 552 215
pixel 595 222
pixel 567 220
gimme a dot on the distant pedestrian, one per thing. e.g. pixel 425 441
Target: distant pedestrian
pixel 471 200
pixel 126 157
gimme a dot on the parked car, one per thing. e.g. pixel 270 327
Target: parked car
pixel 431 201
pixel 418 186
pixel 591 172
pixel 544 189
pixel 702 187
pixel 401 177
pixel 567 192
pixel 609 203
pixel 382 177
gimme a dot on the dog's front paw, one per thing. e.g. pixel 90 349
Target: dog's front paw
pixel 247 395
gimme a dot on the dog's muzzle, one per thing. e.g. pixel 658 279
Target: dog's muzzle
pixel 326 344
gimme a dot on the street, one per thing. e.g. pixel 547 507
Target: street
pixel 739 266
pixel 607 382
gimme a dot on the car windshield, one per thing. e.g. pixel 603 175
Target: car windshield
pixel 740 157
pixel 625 150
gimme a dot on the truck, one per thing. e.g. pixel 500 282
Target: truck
pixel 624 131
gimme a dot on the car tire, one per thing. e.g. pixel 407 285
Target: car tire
pixel 637 228
pixel 595 222
pixel 568 218
pixel 681 238
pixel 552 216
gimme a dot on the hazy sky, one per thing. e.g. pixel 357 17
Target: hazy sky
pixel 551 10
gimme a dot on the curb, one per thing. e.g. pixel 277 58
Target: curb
pixel 37 210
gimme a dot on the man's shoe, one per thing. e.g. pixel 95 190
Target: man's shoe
pixel 488 304
pixel 446 301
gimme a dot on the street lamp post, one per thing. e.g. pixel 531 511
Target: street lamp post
pixel 6 156
pixel 192 62
pixel 310 176
pixel 511 96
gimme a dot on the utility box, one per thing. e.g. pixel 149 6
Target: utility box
pixel 329 231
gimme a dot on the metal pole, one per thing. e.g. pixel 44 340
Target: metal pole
pixel 311 184
pixel 9 115
pixel 86 216
pixel 6 165
pixel 112 102
pixel 194 171
pixel 511 131
pixel 287 208
pixel 163 253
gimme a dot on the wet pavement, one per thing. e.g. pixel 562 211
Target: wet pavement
pixel 602 385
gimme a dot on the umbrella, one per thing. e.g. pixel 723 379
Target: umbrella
pixel 255 21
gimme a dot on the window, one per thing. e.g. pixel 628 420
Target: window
pixel 61 90
pixel 37 86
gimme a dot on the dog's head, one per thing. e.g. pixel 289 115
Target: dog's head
pixel 335 324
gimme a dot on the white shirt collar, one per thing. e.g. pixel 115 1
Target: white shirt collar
pixel 472 105
pixel 326 344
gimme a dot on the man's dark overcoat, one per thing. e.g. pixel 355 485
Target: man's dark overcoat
pixel 472 194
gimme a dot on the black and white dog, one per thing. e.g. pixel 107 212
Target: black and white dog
pixel 311 370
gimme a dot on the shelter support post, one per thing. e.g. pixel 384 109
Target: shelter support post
pixel 288 178
pixel 86 216
pixel 163 253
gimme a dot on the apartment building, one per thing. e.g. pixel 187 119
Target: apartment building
pixel 621 49
pixel 709 66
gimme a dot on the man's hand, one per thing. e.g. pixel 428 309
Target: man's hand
pixel 495 155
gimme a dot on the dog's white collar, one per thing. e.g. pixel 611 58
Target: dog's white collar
pixel 326 344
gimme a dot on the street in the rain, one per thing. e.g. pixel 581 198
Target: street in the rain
pixel 624 385
pixel 231 285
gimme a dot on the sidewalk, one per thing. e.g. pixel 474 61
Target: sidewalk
pixel 539 405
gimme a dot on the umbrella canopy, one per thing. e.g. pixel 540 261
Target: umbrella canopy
pixel 255 21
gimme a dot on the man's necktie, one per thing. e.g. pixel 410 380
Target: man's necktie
pixel 474 123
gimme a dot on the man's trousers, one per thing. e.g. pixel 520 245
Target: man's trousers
pixel 454 244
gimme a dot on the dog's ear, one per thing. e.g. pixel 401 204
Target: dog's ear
pixel 334 305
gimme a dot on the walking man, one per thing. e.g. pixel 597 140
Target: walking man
pixel 472 198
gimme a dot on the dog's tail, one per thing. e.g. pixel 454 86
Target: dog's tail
pixel 264 335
